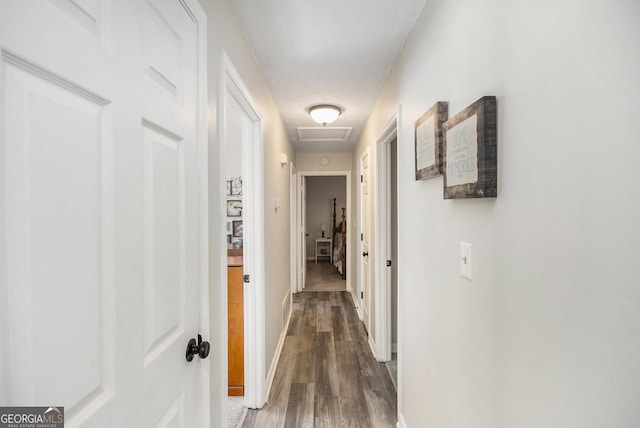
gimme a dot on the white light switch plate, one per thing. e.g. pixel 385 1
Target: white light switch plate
pixel 466 261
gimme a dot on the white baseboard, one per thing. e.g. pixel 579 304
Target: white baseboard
pixel 355 304
pixel 285 310
pixel 401 421
pixel 276 356
pixel 372 345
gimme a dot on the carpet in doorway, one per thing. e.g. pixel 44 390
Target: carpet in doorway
pixel 235 411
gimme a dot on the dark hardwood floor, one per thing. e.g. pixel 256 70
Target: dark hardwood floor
pixel 327 376
pixel 323 276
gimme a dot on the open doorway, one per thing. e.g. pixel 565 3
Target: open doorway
pixel 386 211
pixel 241 153
pixel 308 230
pixel 392 365
pixel 326 201
pixel 233 146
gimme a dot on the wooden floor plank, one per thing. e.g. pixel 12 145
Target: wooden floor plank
pixel 305 415
pixel 327 412
pixel 326 378
pixel 348 370
pixel 324 316
pixel 305 363
pixel 297 397
pixel 339 324
pixel 326 375
pixel 379 404
pixel 355 412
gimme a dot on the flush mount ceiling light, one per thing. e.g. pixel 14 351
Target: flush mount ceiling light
pixel 324 113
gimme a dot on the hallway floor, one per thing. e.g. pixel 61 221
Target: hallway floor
pixel 323 276
pixel 327 376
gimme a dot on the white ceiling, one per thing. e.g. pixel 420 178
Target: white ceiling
pixel 326 51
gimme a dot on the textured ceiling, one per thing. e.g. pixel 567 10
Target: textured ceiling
pixel 326 51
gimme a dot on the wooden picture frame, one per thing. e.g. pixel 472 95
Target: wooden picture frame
pixel 428 139
pixel 234 208
pixel 237 229
pixel 471 152
pixel 234 186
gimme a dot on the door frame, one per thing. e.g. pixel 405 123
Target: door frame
pixel 382 220
pixel 301 236
pixel 293 191
pixel 197 13
pixel 297 262
pixel 231 84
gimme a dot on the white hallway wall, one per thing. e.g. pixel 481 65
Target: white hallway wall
pixel 338 161
pixel 548 332
pixel 225 32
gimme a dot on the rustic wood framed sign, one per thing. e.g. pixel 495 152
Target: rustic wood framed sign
pixel 471 152
pixel 429 141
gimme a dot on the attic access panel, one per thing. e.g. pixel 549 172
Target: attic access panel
pixel 324 133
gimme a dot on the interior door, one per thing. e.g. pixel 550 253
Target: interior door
pixel 99 210
pixel 303 231
pixel 365 222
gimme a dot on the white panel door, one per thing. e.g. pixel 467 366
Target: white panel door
pixel 365 222
pixel 303 230
pixel 99 210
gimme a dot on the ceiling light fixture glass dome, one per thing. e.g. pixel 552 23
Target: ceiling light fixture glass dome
pixel 324 113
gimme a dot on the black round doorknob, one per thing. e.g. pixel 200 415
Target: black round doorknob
pixel 199 348
pixel 192 349
pixel 365 253
pixel 204 348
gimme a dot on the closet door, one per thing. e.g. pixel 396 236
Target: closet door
pixel 366 293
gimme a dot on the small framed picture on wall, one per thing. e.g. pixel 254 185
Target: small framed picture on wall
pixel 429 141
pixel 234 208
pixel 471 152
pixel 237 228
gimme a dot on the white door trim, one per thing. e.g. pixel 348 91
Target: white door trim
pixel 383 238
pixel 198 15
pixel 294 231
pixel 302 232
pixel 297 225
pixel 231 84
